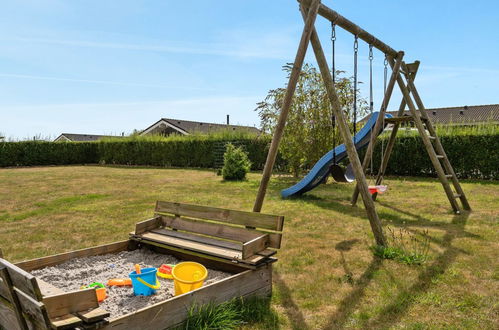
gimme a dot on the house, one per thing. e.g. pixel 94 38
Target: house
pixel 69 137
pixel 464 115
pixel 167 126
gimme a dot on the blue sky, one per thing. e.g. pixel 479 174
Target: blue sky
pixel 106 67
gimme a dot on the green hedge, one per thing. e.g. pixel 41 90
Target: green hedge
pixel 181 153
pixel 473 156
pixel 30 153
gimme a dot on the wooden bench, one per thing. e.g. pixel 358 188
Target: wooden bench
pixel 226 235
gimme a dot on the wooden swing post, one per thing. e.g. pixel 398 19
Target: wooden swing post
pixel 293 80
pixel 372 215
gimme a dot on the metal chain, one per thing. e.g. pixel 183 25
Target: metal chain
pixel 333 41
pixel 385 77
pixel 385 73
pixel 333 74
pixel 355 53
pixel 371 96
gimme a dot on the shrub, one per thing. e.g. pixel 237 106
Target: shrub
pixel 236 163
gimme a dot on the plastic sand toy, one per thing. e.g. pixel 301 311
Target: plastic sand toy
pixel 165 271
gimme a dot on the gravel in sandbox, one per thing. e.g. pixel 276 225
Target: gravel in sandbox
pixel 73 274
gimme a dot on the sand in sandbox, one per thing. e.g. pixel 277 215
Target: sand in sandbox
pixel 73 274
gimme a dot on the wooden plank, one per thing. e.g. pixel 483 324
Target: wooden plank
pixel 174 311
pixel 143 226
pixel 48 289
pixel 199 239
pixel 93 326
pixel 71 302
pixel 38 263
pixel 258 220
pixel 193 246
pixel 9 294
pixel 93 315
pixel 68 321
pixel 351 27
pixel 22 280
pixel 254 246
pixel 8 319
pixel 4 289
pixel 33 310
pixel 219 230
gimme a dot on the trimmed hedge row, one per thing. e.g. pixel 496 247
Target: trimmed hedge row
pixel 472 155
pixel 30 153
pixel 180 153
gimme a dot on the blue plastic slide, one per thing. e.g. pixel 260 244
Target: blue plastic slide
pixel 321 169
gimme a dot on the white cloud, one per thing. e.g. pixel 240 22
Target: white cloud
pixel 218 49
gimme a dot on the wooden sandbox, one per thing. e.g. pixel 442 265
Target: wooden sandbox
pixel 240 243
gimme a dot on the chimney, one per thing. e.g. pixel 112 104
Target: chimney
pixel 227 119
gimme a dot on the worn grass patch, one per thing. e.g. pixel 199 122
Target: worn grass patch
pixel 326 277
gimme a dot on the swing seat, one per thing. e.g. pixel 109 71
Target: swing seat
pixel 377 189
pixel 341 175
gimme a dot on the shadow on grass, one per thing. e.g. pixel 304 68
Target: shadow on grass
pixel 292 310
pixel 420 221
pixel 392 313
pixel 349 304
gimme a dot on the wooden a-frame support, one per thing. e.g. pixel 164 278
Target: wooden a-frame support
pixel 425 128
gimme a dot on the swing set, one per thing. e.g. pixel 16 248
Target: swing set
pixel 403 74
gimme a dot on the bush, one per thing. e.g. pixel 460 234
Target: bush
pixel 236 163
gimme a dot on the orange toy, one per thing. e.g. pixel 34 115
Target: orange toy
pixel 119 282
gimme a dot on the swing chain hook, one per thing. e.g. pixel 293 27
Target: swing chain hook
pixel 371 56
pixel 356 44
pixel 333 32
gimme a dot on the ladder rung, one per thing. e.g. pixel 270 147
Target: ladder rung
pixel 457 196
pixel 448 175
pixel 440 156
pixel 431 137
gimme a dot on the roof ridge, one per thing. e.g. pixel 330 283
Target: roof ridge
pixel 202 122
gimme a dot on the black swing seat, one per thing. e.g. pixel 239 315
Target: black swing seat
pixel 342 175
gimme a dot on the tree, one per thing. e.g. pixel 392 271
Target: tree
pixel 309 131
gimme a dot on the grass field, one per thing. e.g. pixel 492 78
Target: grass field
pixel 326 276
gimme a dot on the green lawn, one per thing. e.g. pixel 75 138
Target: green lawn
pixel 326 276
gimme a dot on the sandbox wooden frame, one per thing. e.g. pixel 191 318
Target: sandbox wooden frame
pixel 29 303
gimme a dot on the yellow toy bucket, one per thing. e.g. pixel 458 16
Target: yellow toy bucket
pixel 188 276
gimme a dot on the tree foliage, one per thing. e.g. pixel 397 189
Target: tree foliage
pixel 309 131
